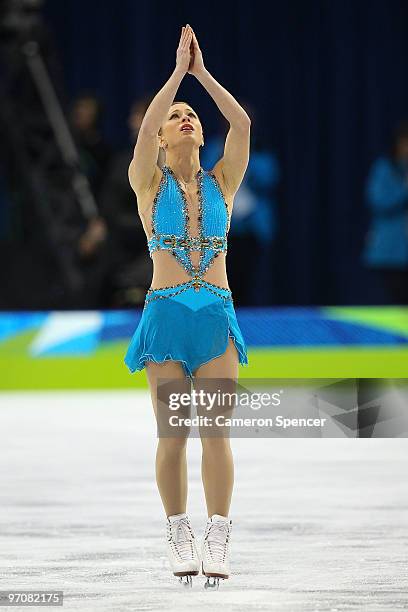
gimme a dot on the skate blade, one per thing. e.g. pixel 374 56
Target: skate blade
pixel 212 584
pixel 186 581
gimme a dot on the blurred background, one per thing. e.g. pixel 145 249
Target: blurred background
pixel 318 246
pixel 317 263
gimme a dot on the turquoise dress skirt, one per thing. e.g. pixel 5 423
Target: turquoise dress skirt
pixel 182 324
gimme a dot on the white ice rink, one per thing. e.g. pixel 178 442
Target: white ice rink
pixel 318 524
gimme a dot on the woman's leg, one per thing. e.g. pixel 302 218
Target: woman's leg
pixel 217 465
pixel 171 460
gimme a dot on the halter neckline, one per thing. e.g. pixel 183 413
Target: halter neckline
pixel 200 171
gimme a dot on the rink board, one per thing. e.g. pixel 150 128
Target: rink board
pixel 85 349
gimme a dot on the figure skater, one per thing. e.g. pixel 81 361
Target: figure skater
pixel 188 330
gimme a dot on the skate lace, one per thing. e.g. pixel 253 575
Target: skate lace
pixel 182 538
pixel 217 539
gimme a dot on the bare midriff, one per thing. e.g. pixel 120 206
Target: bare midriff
pixel 166 269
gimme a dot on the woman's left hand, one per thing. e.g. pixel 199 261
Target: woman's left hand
pixel 196 63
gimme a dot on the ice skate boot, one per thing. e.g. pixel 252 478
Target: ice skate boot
pixel 182 548
pixel 215 550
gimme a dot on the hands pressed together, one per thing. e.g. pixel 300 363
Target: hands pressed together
pixel 189 57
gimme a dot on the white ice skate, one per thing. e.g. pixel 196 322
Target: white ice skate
pixel 182 548
pixel 215 550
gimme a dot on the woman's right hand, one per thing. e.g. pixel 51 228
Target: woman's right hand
pixel 183 57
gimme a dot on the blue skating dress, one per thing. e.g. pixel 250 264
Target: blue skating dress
pixel 189 322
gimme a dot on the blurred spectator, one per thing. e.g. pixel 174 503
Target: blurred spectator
pixel 94 151
pixel 94 157
pixel 254 218
pixel 386 246
pixel 132 265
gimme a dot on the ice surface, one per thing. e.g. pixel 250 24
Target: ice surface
pixel 318 524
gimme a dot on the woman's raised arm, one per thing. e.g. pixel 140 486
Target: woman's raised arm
pixel 144 162
pixel 236 152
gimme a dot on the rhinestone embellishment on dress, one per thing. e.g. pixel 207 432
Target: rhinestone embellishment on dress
pixel 181 245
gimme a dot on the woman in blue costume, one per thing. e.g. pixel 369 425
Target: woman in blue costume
pixel 188 330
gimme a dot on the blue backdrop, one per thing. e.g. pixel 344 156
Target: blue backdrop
pixel 327 78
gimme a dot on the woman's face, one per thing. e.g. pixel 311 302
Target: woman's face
pixel 182 124
pixel 85 113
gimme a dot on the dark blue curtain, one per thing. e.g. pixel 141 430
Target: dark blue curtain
pixel 328 81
